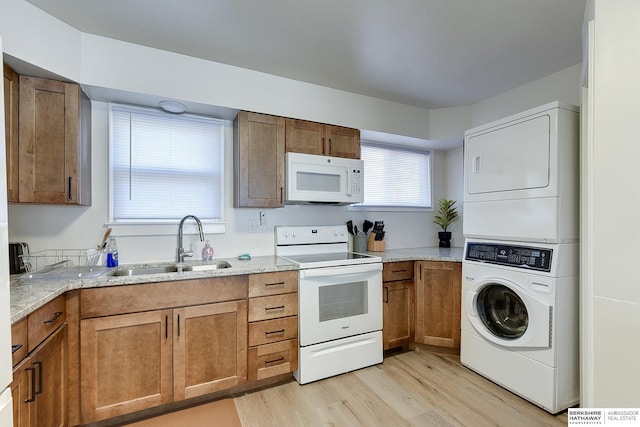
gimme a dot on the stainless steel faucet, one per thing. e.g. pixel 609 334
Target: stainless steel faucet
pixel 181 252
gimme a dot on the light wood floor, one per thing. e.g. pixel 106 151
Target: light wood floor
pixel 416 388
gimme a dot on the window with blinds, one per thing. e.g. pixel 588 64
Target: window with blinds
pixel 396 177
pixel 165 166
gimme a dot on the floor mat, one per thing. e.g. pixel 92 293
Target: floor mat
pixel 219 413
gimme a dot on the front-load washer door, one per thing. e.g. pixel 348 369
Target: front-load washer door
pixel 505 314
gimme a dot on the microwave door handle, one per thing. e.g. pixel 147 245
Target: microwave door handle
pixel 348 192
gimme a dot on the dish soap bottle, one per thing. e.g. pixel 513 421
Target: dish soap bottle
pixel 207 252
pixel 112 252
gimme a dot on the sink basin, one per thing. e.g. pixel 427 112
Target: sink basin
pixel 206 267
pixel 165 269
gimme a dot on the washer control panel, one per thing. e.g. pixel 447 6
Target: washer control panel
pixel 527 257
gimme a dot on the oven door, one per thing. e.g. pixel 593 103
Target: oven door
pixel 338 302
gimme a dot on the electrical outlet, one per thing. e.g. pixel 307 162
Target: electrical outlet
pixel 255 227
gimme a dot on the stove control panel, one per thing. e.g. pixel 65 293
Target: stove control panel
pixel 527 257
pixel 310 235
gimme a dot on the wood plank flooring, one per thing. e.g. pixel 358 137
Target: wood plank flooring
pixel 416 388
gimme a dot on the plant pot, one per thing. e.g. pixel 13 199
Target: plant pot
pixel 445 239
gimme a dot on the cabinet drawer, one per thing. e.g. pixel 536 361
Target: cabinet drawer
pixel 264 308
pixel 265 284
pixel 42 322
pixel 19 338
pixel 274 359
pixel 269 331
pixel 98 302
pixel 397 271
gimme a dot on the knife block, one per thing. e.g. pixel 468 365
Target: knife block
pixel 375 245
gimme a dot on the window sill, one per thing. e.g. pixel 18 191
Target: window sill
pixel 361 208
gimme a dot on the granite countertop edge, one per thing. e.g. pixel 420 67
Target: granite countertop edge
pixel 27 295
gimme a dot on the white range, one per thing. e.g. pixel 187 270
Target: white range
pixel 340 301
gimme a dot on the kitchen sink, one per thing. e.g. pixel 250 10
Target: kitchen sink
pixel 167 269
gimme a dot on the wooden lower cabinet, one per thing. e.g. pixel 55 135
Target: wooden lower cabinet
pixel 438 289
pixel 273 324
pixel 126 363
pixel 210 348
pixel 40 383
pixel 398 305
pixel 141 360
pixel 397 312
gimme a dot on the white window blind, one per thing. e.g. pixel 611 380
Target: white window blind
pixel 396 176
pixel 165 166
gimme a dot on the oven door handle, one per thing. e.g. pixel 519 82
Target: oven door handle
pixel 341 271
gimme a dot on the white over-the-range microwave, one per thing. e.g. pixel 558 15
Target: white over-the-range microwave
pixel 313 179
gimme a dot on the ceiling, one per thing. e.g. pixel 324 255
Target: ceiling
pixel 425 53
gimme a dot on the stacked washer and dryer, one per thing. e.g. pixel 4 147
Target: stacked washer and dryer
pixel 520 269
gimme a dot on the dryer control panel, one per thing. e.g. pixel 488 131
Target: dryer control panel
pixel 527 257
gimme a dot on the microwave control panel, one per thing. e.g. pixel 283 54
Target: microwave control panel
pixel 356 181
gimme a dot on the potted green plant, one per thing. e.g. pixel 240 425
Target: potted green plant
pixel 446 214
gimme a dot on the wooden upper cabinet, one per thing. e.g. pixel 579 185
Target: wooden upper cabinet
pixel 317 138
pixel 305 137
pixel 343 142
pixel 54 142
pixel 11 110
pixel 259 160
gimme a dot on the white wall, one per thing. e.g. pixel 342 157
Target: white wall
pixel 611 368
pixel 42 40
pixel 454 189
pixel 48 227
pixel 562 86
pixel 33 36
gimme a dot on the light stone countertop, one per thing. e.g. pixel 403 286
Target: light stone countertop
pixel 27 295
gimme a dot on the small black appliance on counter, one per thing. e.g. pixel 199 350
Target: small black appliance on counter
pixel 16 263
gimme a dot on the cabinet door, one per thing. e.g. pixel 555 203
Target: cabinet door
pixel 49 132
pixel 210 348
pixel 21 391
pixel 304 137
pixel 125 363
pixel 397 326
pixel 438 288
pixel 50 406
pixel 39 387
pixel 11 110
pixel 259 160
pixel 342 142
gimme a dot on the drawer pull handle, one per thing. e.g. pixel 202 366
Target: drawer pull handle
pixel 400 271
pixel 54 318
pixel 39 365
pixel 279 331
pixel 32 398
pixel 279 359
pixel 280 307
pixel 15 347
pixel 386 300
pixel 275 284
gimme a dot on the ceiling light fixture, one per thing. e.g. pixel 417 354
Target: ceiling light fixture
pixel 173 107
